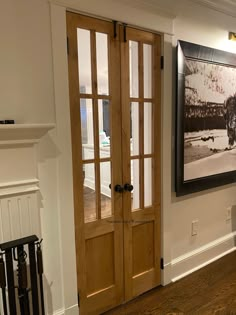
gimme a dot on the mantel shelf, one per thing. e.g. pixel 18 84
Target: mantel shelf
pixel 23 133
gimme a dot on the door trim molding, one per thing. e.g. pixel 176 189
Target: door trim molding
pixel 68 292
pixel 143 13
pixel 67 295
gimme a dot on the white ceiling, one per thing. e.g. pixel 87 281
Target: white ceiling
pixel 225 6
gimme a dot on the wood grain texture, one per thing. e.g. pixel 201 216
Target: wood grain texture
pixel 100 262
pixel 137 244
pixel 132 255
pixel 99 244
pixel 143 243
pixel 210 290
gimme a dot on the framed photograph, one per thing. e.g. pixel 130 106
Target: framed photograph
pixel 205 118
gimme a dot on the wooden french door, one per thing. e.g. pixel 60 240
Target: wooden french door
pixel 114 85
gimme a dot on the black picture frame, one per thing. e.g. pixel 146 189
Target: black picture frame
pixel 189 51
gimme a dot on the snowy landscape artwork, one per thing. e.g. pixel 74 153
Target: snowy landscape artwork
pixel 209 119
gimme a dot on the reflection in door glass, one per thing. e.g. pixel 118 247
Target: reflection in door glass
pixel 105 177
pixel 148 128
pixel 134 128
pixel 135 181
pixel 89 192
pixel 147 182
pixel 102 63
pixel 147 70
pixel 86 114
pixel 104 128
pixel 84 60
pixel 133 69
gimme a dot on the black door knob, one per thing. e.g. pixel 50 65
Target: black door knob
pixel 118 188
pixel 128 187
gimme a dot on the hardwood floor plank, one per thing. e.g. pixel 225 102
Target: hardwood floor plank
pixel 209 291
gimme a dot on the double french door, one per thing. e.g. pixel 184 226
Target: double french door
pixel 114 84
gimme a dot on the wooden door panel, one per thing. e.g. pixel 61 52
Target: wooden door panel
pixel 99 253
pixel 140 56
pixel 143 245
pixel 99 241
pixel 114 88
pixel 144 282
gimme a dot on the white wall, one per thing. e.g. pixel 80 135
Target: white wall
pixel 29 77
pixel 26 78
pixel 27 95
pixel 209 28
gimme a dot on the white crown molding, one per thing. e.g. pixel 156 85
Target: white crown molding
pixel 223 6
pixel 11 134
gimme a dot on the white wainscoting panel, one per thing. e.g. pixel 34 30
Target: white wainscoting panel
pixel 19 210
pixel 19 186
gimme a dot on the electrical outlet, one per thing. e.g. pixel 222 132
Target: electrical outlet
pixel 228 213
pixel 194 227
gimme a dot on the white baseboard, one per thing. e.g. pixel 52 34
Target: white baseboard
pixel 73 310
pixel 196 259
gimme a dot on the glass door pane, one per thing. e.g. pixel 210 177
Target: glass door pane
pixel 135 182
pixel 87 131
pixel 95 121
pixel 134 128
pixel 105 180
pixel 102 63
pixel 147 70
pixel 141 123
pixel 133 69
pixel 84 60
pixel 90 208
pixel 148 128
pixel 104 128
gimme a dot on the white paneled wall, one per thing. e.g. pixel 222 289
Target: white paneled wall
pixel 20 198
pixel 19 185
pixel 19 212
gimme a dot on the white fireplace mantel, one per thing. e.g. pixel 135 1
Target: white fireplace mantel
pixel 19 183
pixel 23 133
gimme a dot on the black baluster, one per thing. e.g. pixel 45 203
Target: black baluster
pixel 3 285
pixel 10 282
pixel 33 278
pixel 40 272
pixel 22 281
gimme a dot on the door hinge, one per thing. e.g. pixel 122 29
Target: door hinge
pixel 125 34
pixel 115 28
pixel 162 263
pixel 78 300
pixel 67 43
pixel 162 62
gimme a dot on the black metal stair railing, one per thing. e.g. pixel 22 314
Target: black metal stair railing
pixel 21 288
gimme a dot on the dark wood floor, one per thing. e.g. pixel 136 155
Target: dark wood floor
pixel 211 290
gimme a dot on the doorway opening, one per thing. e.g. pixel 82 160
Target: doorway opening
pixel 115 84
